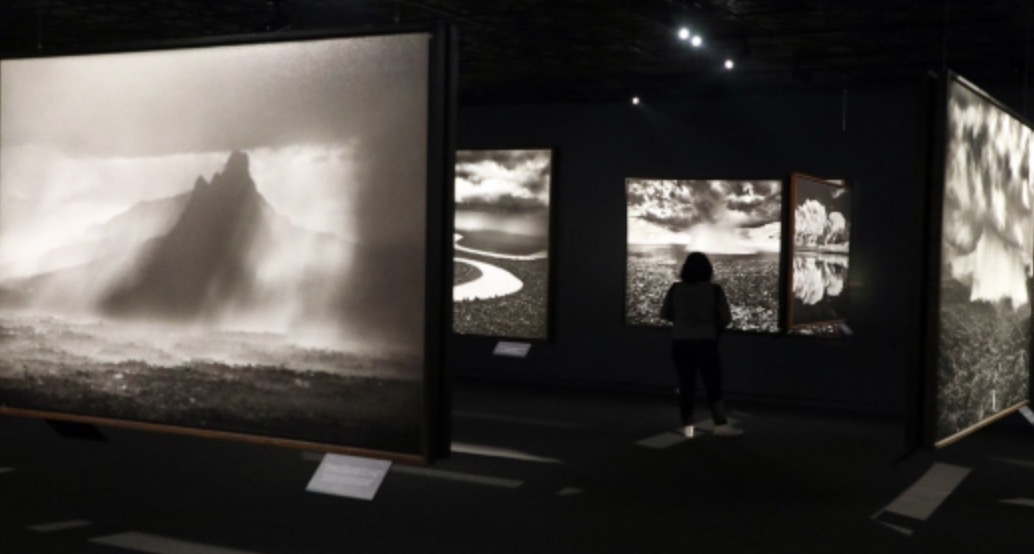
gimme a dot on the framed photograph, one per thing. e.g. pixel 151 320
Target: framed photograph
pixel 820 240
pixel 737 223
pixel 502 243
pixel 211 238
pixel 979 324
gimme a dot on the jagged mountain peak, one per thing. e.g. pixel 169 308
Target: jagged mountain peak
pixel 233 181
pixel 237 164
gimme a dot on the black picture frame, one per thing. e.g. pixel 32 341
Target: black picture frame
pixel 944 416
pixel 429 439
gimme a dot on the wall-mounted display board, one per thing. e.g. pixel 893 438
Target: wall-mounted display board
pixel 737 223
pixel 502 243
pixel 979 322
pixel 820 239
pixel 229 239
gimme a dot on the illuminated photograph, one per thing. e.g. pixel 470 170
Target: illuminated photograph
pixel 821 223
pixel 986 248
pixel 501 264
pixel 736 223
pixel 215 238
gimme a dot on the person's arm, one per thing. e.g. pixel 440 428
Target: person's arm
pixel 668 306
pixel 724 312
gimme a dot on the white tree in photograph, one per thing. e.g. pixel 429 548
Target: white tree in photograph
pixel 810 223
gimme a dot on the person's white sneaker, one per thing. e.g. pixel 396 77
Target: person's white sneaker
pixel 727 430
pixel 687 431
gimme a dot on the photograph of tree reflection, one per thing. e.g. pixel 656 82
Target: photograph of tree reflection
pixel 821 224
pixel 213 238
pixel 501 286
pixel 736 223
pixel 985 327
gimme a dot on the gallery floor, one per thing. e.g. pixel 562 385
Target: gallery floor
pixel 534 471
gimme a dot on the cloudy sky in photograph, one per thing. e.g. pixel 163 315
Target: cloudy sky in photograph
pixel 503 179
pixel 987 229
pixel 717 216
pixel 680 204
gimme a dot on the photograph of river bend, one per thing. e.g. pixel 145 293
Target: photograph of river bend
pixel 501 284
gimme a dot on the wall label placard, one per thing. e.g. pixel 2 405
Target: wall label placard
pixel 1027 413
pixel 349 476
pixel 512 349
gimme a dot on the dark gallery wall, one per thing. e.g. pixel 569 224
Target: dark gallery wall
pixel 869 136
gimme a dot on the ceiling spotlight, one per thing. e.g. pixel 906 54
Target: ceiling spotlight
pixel 635 100
pixel 683 33
pixel 729 64
pixel 697 40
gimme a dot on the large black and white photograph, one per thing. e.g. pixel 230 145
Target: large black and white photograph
pixel 821 224
pixel 986 250
pixel 501 264
pixel 737 223
pixel 223 238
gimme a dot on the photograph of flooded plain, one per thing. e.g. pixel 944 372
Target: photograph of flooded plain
pixel 984 328
pixel 214 238
pixel 821 223
pixel 737 223
pixel 501 264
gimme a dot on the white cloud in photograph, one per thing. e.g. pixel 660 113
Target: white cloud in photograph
pixel 987 228
pixel 717 216
pixel 503 179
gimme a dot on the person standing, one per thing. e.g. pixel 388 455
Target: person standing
pixel 700 312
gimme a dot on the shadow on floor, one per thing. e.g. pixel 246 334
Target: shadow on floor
pixel 534 471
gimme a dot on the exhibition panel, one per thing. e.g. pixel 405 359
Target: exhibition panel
pixel 231 237
pixel 737 223
pixel 979 324
pixel 502 243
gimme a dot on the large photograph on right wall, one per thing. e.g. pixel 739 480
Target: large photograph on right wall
pixel 983 331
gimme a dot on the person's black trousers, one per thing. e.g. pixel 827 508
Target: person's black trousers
pixel 691 357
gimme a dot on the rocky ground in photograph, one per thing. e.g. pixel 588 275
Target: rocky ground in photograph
pixel 370 413
pixel 750 282
pixel 984 362
pixel 344 399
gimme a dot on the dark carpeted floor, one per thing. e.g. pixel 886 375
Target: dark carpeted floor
pixel 533 471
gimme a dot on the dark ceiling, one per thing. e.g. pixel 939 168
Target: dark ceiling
pixel 515 51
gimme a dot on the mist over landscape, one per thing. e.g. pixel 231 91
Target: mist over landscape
pixel 218 256
pixel 213 237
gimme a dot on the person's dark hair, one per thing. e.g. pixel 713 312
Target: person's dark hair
pixel 697 268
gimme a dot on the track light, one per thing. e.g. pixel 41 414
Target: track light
pixel 697 40
pixel 635 100
pixel 683 33
pixel 729 64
